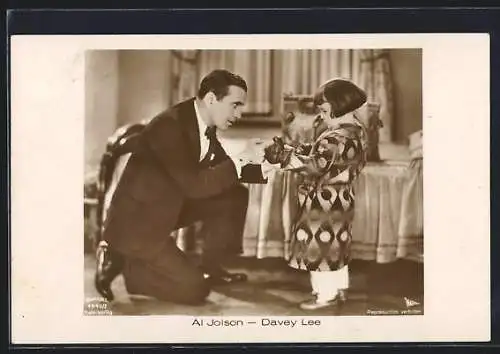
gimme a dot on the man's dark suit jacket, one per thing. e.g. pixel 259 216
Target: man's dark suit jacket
pixel 162 172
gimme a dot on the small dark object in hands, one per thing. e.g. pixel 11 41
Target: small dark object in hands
pixel 277 153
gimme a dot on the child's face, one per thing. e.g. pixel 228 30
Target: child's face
pixel 325 110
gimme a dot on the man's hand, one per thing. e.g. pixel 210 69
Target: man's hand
pixel 268 169
pixel 253 153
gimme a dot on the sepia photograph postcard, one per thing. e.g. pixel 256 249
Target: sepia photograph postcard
pixel 250 188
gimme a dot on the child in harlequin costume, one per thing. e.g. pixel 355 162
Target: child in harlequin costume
pixel 321 230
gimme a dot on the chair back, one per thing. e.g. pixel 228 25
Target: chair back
pixel 119 144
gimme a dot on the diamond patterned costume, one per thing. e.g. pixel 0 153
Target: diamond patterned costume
pixel 327 168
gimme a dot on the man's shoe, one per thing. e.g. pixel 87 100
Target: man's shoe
pixel 108 267
pixel 225 278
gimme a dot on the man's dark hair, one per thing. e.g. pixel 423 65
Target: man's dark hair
pixel 218 82
pixel 343 95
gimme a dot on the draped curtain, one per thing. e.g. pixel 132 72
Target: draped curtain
pixel 253 65
pixel 375 77
pixel 303 71
pixel 184 72
pixel 300 72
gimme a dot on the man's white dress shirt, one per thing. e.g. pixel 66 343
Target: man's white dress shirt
pixel 205 143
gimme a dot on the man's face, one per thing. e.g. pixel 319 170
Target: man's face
pixel 226 111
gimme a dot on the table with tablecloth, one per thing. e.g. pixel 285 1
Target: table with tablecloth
pixel 388 221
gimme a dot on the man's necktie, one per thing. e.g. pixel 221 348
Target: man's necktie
pixel 211 158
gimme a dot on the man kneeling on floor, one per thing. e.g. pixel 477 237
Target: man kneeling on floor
pixel 179 173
